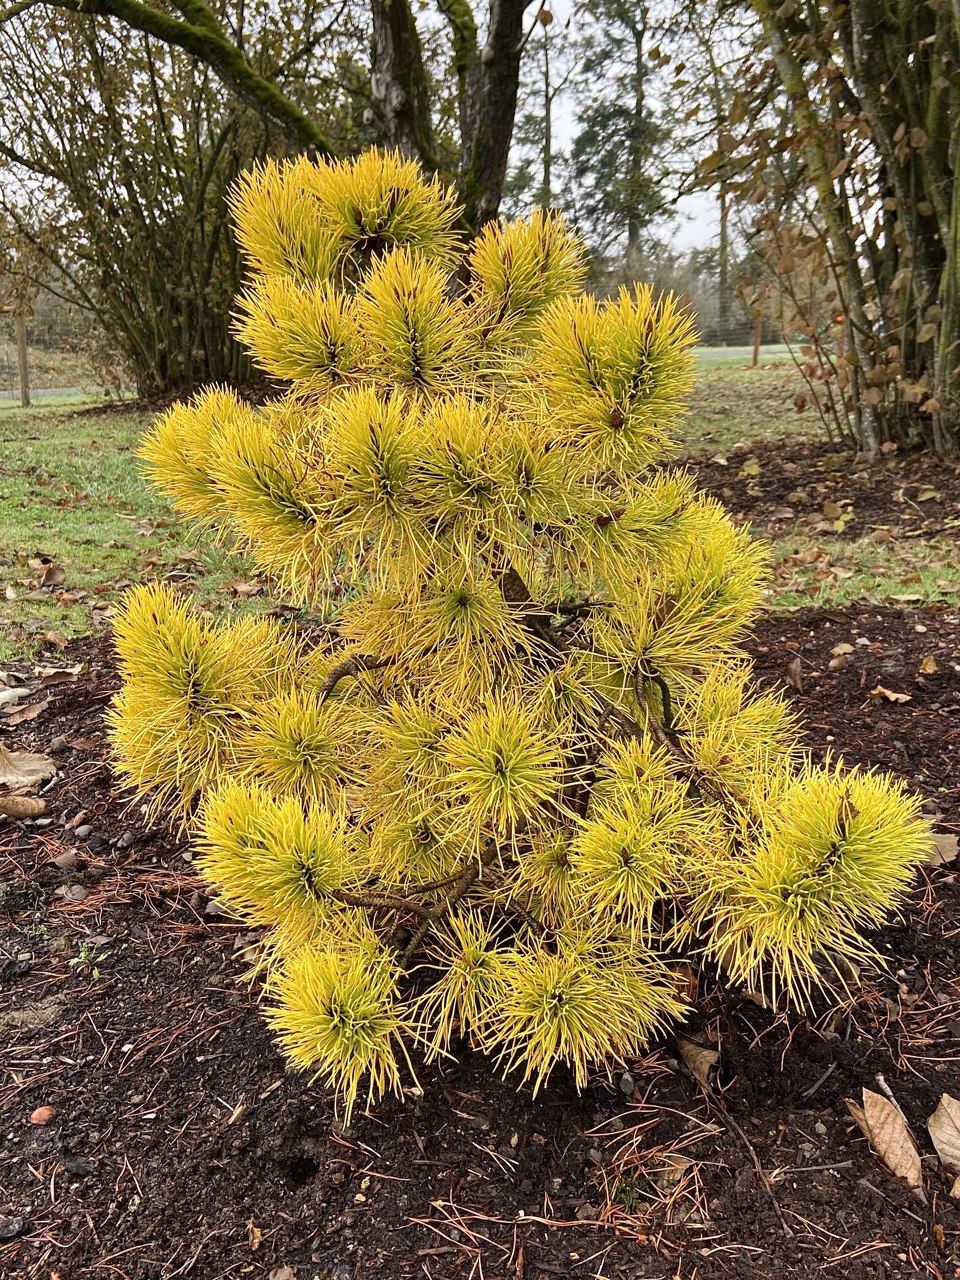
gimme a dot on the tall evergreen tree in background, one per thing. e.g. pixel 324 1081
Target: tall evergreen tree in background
pixel 616 158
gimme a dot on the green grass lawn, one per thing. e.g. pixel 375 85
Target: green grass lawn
pixel 78 523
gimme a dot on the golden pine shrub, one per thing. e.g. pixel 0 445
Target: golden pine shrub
pixel 524 780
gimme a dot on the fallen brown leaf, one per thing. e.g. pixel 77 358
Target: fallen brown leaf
pixel 886 1130
pixel 889 695
pixel 58 675
pixel 24 770
pixel 9 697
pixel 929 665
pixel 699 1059
pixel 943 851
pixel 21 807
pixel 792 674
pixel 944 1129
pixel 29 712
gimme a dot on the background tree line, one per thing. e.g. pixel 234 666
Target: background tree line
pixel 824 129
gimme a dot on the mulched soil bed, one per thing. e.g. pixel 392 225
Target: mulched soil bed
pixel 797 482
pixel 181 1147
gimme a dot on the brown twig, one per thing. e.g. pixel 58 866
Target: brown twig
pixel 734 1125
pixel 467 877
pixel 351 667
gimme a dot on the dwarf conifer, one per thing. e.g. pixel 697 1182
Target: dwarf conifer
pixel 520 777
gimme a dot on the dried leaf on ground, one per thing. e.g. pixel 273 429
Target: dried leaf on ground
pixel 699 1059
pixel 886 1130
pixel 24 770
pixel 58 675
pixel 10 697
pixel 889 695
pixel 944 1129
pixel 21 807
pixel 29 712
pixel 943 851
pixel 792 675
pixel 929 665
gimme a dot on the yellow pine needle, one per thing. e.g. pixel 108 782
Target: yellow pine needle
pixel 544 879
pixel 417 335
pixel 301 332
pixel 280 226
pixel 190 688
pixel 625 857
pixel 504 769
pixel 268 858
pixel 584 1004
pixel 304 746
pixel 338 1015
pixel 181 449
pixel 278 506
pixel 837 853
pixel 379 201
pixel 617 372
pixel 471 985
pixel 372 446
pixel 518 268
pixel 515 760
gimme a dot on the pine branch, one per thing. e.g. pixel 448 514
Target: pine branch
pixel 351 667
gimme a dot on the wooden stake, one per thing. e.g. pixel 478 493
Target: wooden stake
pixel 20 328
pixel 757 330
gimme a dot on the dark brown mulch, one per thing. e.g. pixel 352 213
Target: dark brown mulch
pixel 808 483
pixel 181 1147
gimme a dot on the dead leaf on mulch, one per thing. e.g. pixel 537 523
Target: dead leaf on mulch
pixel 943 851
pixel 888 694
pixel 792 674
pixel 928 666
pixel 886 1130
pixel 944 1129
pixel 57 675
pixel 29 712
pixel 699 1059
pixel 24 770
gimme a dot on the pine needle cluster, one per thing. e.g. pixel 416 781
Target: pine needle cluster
pixel 525 780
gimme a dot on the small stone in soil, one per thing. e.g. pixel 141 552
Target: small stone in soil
pixel 66 861
pixel 42 1115
pixel 82 832
pixel 10 1228
pixel 627 1083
